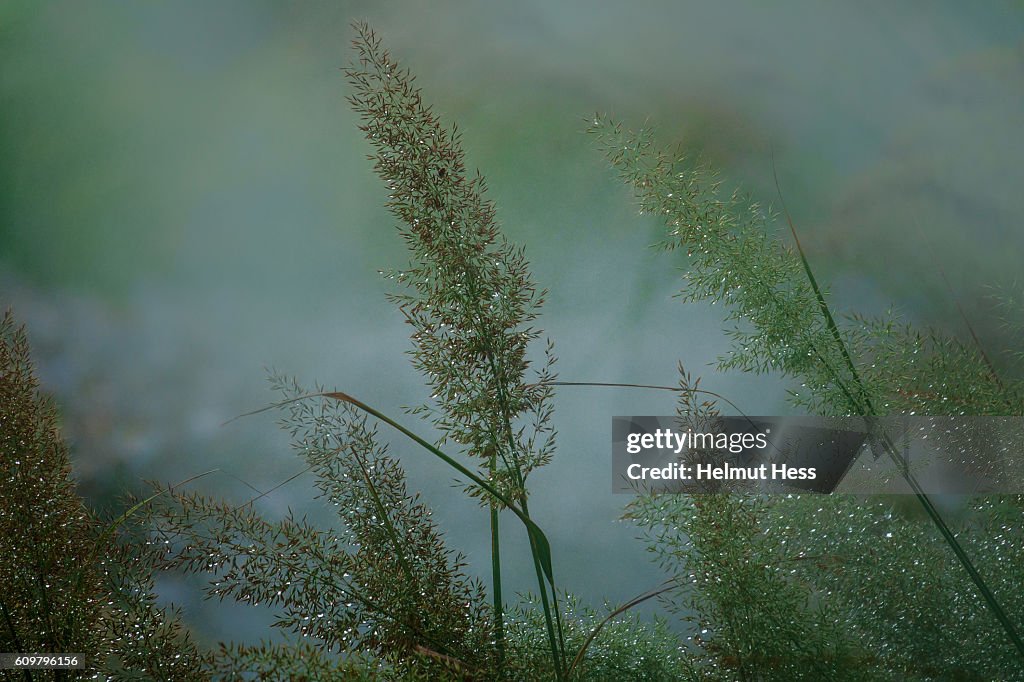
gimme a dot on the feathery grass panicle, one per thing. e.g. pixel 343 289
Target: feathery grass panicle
pixel 923 372
pixel 64 588
pixel 470 301
pixel 381 585
pixel 148 641
pixel 470 298
pixel 400 559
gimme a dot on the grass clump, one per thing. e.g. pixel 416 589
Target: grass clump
pixel 380 592
pixel 65 588
pixel 814 579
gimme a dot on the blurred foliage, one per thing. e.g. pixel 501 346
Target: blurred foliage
pixel 779 317
pixel 827 587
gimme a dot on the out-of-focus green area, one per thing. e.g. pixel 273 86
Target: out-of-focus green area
pixel 184 200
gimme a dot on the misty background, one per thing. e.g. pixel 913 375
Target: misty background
pixel 185 201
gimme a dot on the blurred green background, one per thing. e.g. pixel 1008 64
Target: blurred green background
pixel 185 200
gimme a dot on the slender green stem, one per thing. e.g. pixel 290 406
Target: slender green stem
pixel 557 645
pixel 674 389
pixel 822 305
pixel 539 546
pixel 554 626
pixel 557 648
pixel 499 604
